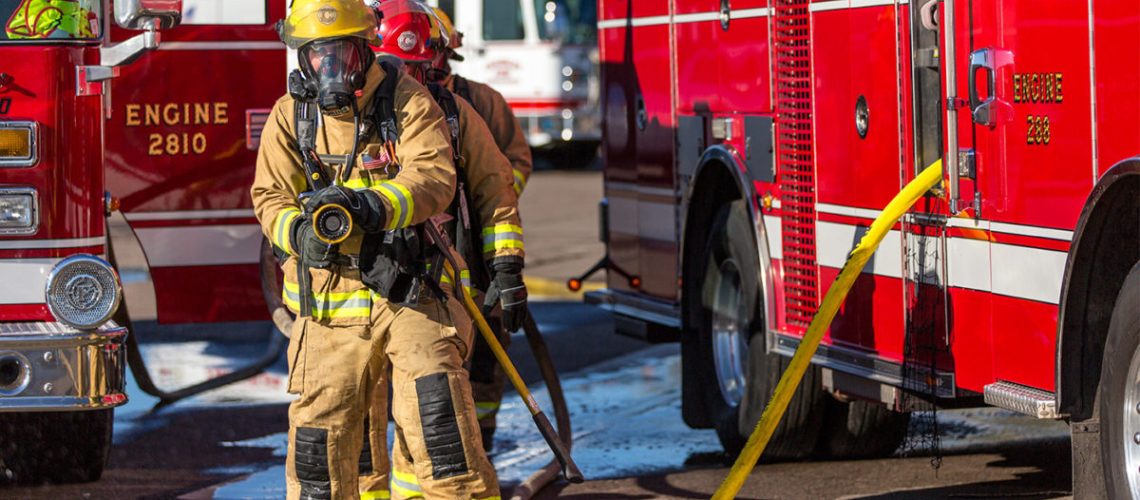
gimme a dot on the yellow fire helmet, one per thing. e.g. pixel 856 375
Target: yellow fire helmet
pixel 311 20
pixel 455 38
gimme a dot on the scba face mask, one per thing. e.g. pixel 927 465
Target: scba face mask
pixel 336 68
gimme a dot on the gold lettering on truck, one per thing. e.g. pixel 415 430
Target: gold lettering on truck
pixel 193 114
pixel 1038 88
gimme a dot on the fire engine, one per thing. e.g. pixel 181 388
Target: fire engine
pixel 94 118
pixel 748 145
pixel 541 55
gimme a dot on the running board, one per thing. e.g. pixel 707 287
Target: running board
pixel 1022 399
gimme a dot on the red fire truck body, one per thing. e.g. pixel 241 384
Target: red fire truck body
pixel 93 119
pixel 768 135
pixel 181 162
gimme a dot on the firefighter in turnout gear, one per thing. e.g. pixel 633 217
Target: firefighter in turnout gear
pixel 484 225
pixel 487 101
pixel 372 143
pixel 487 378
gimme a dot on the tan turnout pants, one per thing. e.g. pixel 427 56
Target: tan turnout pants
pixel 398 477
pixel 339 372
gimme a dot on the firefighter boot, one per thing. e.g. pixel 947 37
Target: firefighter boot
pixel 488 381
pixel 433 407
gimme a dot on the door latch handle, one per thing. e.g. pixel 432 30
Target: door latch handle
pixel 983 110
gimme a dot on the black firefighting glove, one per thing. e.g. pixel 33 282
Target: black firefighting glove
pixel 508 285
pixel 364 205
pixel 312 251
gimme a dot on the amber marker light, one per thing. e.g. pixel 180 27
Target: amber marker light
pixel 17 144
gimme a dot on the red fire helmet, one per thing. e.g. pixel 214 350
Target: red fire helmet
pixel 406 31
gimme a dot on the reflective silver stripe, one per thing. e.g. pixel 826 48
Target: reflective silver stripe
pixel 37 244
pixel 403 206
pixel 191 214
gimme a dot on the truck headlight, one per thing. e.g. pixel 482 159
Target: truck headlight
pixel 19 213
pixel 83 292
pixel 18 144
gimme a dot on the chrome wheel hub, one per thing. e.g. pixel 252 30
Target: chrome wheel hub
pixel 730 334
pixel 1131 425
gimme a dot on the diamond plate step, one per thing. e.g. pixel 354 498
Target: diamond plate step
pixel 1022 399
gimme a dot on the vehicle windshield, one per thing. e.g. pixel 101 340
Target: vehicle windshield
pixel 571 21
pixel 51 20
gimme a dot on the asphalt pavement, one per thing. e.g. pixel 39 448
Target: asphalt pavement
pixel 624 397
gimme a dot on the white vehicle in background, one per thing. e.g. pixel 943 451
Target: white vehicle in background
pixel 542 56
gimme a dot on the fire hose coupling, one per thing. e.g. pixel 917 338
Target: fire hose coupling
pixel 83 292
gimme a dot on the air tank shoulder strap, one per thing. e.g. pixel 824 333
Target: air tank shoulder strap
pixel 384 105
pixel 446 101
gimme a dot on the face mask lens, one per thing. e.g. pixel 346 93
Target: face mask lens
pixel 331 60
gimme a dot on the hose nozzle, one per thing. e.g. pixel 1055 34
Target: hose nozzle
pixel 332 224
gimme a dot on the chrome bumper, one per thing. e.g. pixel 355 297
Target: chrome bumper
pixel 51 367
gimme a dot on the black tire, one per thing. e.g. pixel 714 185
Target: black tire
pixel 861 429
pixel 730 241
pixel 1120 346
pixel 56 447
pixel 799 431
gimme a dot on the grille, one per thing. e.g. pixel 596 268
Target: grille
pixel 791 39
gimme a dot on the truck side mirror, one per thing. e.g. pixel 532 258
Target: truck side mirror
pixel 148 14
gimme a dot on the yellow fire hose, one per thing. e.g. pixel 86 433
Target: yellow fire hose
pixel 819 324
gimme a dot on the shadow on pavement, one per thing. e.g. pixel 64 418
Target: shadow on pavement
pixel 1047 475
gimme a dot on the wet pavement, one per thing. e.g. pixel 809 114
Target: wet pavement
pixel 629 439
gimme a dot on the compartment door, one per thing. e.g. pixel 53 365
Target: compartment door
pixel 1030 107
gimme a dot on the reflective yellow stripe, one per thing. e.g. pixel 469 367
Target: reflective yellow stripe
pixel 486 409
pixel 520 181
pixel 502 228
pixel 502 236
pixel 402 203
pixel 331 305
pixel 405 485
pixel 464 277
pixel 282 229
pixel 358 183
pixel 376 495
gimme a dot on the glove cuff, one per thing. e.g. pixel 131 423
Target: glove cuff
pixel 511 264
pixel 295 237
pixel 375 215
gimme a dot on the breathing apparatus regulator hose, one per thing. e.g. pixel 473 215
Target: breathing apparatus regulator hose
pixel 819 325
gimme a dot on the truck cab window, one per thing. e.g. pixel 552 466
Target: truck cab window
pixel 202 12
pixel 503 21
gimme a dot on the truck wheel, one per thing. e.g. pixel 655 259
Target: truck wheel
pixel 737 372
pixel 57 447
pixel 862 429
pixel 1120 394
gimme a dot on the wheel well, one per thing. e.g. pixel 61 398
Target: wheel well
pixel 1105 246
pixel 715 186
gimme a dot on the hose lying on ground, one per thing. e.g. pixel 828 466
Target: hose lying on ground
pixel 277 343
pixel 819 325
pixel 550 472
